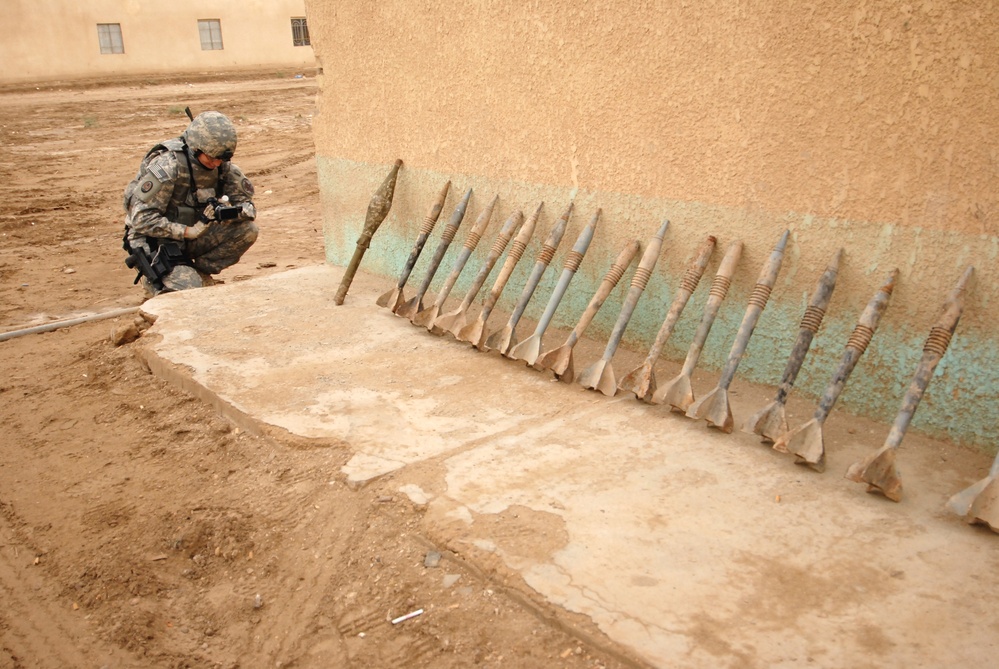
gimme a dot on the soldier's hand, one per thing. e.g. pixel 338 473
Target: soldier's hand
pixel 249 212
pixel 194 231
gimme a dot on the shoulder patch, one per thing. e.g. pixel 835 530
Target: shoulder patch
pixel 149 186
pixel 247 186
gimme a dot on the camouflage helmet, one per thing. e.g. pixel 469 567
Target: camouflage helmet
pixel 213 134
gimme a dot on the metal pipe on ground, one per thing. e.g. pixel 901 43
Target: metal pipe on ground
pixel 458 318
pixel 66 323
pixel 806 441
pixel 411 307
pixel 771 421
pixel 474 332
pixel 878 470
pixel 559 360
pixel 395 298
pixel 427 317
pixel 642 380
pixel 678 392
pixel 714 407
pixel 378 209
pixel 600 375
pixel 503 339
pixel 529 349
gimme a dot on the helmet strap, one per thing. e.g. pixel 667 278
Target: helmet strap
pixel 219 186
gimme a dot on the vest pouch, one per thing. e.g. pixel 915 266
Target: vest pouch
pixel 187 216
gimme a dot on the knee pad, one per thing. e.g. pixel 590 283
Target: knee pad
pixel 182 277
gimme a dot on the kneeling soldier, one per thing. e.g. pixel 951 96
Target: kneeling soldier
pixel 189 211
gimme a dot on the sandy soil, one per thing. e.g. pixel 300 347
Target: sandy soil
pixel 138 528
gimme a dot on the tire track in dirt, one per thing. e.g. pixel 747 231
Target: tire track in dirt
pixel 312 592
pixel 294 500
pixel 35 628
pixel 285 164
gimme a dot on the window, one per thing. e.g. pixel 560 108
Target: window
pixel 109 35
pixel 300 32
pixel 211 34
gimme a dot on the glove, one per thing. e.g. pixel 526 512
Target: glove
pixel 194 231
pixel 249 212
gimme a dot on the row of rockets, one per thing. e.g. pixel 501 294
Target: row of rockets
pixel 980 503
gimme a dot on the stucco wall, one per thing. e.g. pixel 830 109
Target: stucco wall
pixel 867 125
pixel 57 39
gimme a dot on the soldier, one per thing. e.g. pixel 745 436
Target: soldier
pixel 189 212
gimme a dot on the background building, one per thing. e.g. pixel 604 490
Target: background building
pixel 872 126
pixel 47 40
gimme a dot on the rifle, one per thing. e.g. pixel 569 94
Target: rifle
pixel 154 267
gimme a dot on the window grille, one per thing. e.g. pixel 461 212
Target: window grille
pixel 109 36
pixel 300 32
pixel 211 34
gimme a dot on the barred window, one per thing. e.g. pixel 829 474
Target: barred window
pixel 300 32
pixel 109 36
pixel 211 34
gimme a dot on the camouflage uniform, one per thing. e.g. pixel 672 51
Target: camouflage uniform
pixel 172 188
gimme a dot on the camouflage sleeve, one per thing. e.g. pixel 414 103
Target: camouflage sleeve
pixel 237 186
pixel 149 200
pixel 240 191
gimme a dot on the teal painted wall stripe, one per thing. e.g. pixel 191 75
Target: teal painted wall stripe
pixel 959 404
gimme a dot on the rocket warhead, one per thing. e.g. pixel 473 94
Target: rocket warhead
pixel 381 201
pixel 378 209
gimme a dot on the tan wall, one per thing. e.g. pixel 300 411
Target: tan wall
pixel 57 39
pixel 868 125
pixel 879 111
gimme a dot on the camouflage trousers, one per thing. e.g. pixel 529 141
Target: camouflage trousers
pixel 221 245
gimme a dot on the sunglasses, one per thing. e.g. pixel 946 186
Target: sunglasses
pixel 224 156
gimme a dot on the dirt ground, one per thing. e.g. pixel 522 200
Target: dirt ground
pixel 138 528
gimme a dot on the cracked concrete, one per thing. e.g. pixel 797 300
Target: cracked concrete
pixel 686 546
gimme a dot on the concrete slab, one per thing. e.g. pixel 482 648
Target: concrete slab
pixel 686 546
